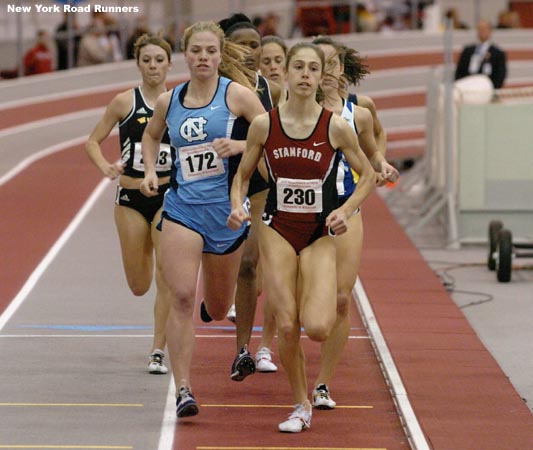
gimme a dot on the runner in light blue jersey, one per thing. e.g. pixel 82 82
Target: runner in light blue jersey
pixel 200 115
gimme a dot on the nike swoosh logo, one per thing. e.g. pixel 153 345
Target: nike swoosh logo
pixel 316 144
pixel 214 107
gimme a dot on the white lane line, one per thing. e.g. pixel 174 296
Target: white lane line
pixel 410 423
pixel 30 126
pixel 52 253
pixel 25 163
pixel 168 427
pixel 122 85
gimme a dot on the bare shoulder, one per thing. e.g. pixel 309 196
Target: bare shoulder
pixel 121 104
pixel 338 124
pixel 242 101
pixel 340 132
pixel 238 90
pixel 262 120
pixel 362 114
pixel 162 103
pixel 366 102
pixel 260 126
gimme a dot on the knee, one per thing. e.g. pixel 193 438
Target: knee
pixel 288 331
pixel 247 269
pixel 343 303
pixel 317 332
pixel 217 312
pixel 183 302
pixel 138 289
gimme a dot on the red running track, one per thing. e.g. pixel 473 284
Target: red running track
pixel 461 397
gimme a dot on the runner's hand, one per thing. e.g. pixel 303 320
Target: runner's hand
pixel 337 222
pixel 150 185
pixel 237 218
pixel 226 147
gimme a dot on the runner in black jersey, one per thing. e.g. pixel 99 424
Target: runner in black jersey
pixel 272 67
pixel 239 29
pixel 301 151
pixel 136 215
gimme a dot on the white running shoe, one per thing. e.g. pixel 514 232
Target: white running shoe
pixel 321 398
pixel 263 361
pixel 299 420
pixel 155 365
pixel 232 314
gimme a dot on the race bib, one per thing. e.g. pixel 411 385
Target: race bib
pixel 299 196
pixel 200 161
pixel 164 159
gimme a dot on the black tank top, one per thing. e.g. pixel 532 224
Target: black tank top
pixel 240 131
pixel 131 130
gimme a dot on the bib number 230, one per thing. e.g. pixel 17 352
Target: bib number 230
pixel 299 196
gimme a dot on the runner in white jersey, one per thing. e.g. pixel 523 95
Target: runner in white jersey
pixel 349 245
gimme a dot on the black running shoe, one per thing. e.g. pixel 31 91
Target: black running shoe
pixel 185 403
pixel 204 315
pixel 243 365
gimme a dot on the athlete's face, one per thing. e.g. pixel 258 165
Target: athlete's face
pixel 251 41
pixel 333 70
pixel 202 54
pixel 153 64
pixel 272 62
pixel 304 72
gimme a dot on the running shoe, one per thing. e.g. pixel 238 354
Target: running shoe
pixel 263 361
pixel 299 420
pixel 156 365
pixel 204 315
pixel 232 314
pixel 185 403
pixel 321 398
pixel 243 365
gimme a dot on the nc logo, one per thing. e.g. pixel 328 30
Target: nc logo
pixel 193 129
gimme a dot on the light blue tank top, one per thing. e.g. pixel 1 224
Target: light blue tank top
pixel 201 175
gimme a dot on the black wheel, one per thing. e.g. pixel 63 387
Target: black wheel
pixel 494 228
pixel 505 256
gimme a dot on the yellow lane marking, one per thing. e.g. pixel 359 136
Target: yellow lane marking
pixel 289 448
pixel 112 405
pixel 281 406
pixel 100 447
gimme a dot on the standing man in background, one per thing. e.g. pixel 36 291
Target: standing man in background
pixel 483 58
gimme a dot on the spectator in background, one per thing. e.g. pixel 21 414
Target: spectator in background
pixel 483 58
pixel 61 38
pixel 316 20
pixel 454 15
pixel 508 20
pixel 38 59
pixel 171 35
pixel 113 33
pixel 267 25
pixel 141 27
pixel 366 20
pixel 387 26
pixel 95 46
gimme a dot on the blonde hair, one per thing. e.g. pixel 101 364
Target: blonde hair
pixel 147 39
pixel 232 55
